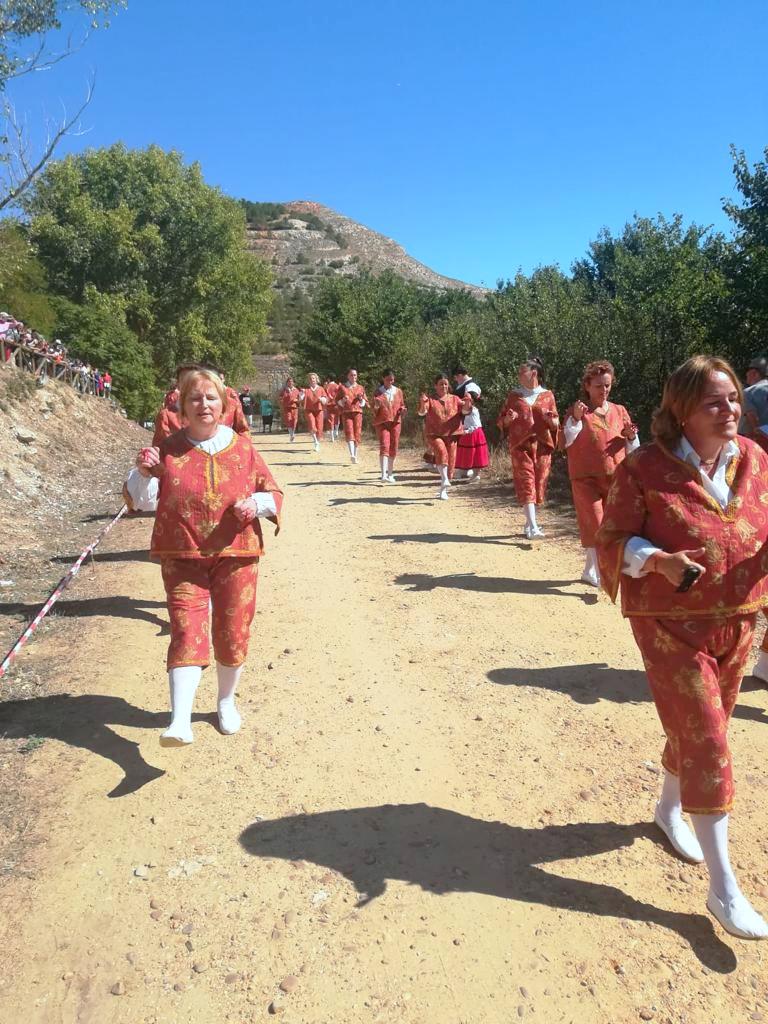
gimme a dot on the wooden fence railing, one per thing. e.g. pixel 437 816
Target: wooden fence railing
pixel 44 365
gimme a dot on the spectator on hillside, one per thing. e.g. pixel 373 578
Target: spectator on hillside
pixel 106 380
pixel 755 396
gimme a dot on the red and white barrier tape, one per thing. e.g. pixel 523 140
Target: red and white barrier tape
pixel 62 586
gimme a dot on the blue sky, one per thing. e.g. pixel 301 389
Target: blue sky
pixel 485 136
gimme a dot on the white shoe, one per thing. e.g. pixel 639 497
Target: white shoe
pixel 683 841
pixel 470 474
pixel 391 479
pixel 591 576
pixel 176 737
pixel 443 495
pixel 354 460
pixel 738 917
pixel 229 720
pixel 531 532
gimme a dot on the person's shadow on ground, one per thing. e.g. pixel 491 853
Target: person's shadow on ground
pixel 590 683
pixel 84 722
pixel 491 585
pixel 117 606
pixel 443 851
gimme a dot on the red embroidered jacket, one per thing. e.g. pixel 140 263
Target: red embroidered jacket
pixel 531 421
pixel 660 497
pixel 194 516
pixel 599 448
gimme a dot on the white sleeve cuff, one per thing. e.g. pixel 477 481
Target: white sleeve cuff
pixel 637 551
pixel 265 504
pixel 572 429
pixel 144 491
pixel 634 443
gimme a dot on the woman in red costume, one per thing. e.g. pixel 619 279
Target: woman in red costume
pixel 169 419
pixel 443 423
pixel 388 412
pixel 684 537
pixel 289 399
pixel 351 400
pixel 597 436
pixel 314 400
pixel 331 410
pixel 530 420
pixel 209 487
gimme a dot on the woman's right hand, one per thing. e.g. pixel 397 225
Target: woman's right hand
pixel 673 566
pixel 147 459
pixel 579 408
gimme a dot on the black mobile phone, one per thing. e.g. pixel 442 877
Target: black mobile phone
pixel 690 576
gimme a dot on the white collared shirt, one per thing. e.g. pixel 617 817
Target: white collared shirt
pixel 638 550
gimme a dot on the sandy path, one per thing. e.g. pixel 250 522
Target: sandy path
pixel 413 825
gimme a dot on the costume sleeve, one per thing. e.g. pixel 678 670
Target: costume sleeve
pixel 624 519
pixel 571 430
pixel 141 492
pixel 161 429
pixel 263 483
pixel 520 429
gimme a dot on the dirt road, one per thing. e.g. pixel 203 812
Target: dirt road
pixel 437 811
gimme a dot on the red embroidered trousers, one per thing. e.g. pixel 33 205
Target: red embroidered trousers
pixel 314 422
pixel 389 439
pixel 353 426
pixel 444 450
pixel 228 586
pixel 694 669
pixel 589 496
pixel 531 466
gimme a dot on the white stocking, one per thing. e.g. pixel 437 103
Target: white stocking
pixel 351 446
pixel 229 716
pixel 443 476
pixel 712 833
pixel 183 684
pixel 384 461
pixel 530 515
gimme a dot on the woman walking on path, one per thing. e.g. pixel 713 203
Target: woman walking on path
pixel 314 399
pixel 443 425
pixel 331 410
pixel 209 487
pixel 597 436
pixel 388 411
pixel 472 450
pixel 289 399
pixel 684 538
pixel 351 400
pixel 530 420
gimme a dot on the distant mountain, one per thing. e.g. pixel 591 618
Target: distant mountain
pixel 306 241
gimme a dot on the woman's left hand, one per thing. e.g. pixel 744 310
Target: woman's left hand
pixel 245 510
pixel 629 432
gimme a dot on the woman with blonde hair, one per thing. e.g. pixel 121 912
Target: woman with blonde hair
pixel 314 399
pixel 684 539
pixel 209 487
pixel 597 435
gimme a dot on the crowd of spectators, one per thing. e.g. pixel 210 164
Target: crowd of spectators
pixel 84 377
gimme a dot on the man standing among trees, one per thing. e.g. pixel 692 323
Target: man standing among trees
pixel 756 396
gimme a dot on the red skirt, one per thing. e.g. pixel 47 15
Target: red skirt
pixel 472 452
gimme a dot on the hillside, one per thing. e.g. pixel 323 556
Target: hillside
pixel 304 241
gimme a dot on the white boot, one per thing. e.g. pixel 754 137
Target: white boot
pixel 531 526
pixel 591 572
pixel 229 717
pixel 444 483
pixel 725 901
pixel 183 682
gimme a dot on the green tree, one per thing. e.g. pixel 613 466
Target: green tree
pixel 23 287
pixel 143 226
pixel 748 263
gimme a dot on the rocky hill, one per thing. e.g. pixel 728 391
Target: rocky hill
pixel 305 241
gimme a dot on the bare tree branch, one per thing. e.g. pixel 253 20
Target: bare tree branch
pixel 22 165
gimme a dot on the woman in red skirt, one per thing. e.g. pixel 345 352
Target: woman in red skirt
pixel 472 450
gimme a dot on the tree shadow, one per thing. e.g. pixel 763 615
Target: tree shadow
pixel 503 540
pixel 442 851
pixel 83 721
pixel 491 585
pixel 595 681
pixel 139 555
pixel 115 607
